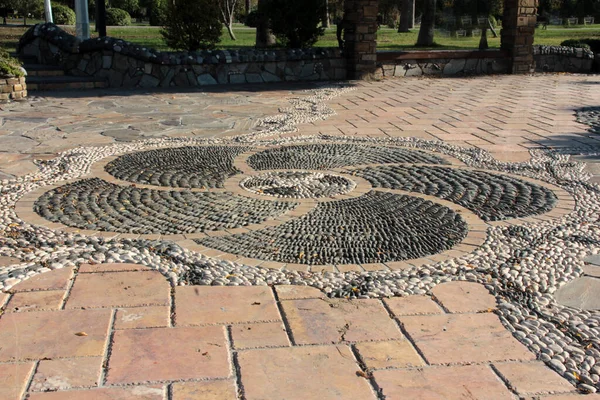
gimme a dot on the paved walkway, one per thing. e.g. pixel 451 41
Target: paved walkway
pixel 121 330
pixel 110 326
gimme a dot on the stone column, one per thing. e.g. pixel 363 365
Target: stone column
pixel 360 37
pixel 83 19
pixel 518 28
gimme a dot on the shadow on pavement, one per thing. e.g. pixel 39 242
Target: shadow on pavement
pixel 233 88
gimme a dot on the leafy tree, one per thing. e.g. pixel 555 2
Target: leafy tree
pixel 192 24
pixel 6 5
pixel 28 7
pixel 157 10
pixel 296 23
pixel 131 6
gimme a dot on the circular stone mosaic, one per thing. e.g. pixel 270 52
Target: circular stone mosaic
pixel 368 227
pixel 335 155
pixel 100 205
pixel 298 184
pixel 492 197
pixel 185 167
pixel 375 227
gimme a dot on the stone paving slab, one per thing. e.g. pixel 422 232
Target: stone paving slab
pixel 168 354
pixel 67 373
pixel 67 333
pixel 312 372
pixel 451 383
pixel 581 293
pixel 460 338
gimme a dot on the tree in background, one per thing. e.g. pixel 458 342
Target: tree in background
pixel 156 11
pixel 227 9
pixel 63 15
pixel 26 8
pixel 264 35
pixel 426 31
pixel 192 24
pixel 406 16
pixel 297 24
pixel 131 6
pixel 325 20
pixel 389 10
pixel 6 6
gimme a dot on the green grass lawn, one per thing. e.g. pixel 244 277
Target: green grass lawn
pixel 387 39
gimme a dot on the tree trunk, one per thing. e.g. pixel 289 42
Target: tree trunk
pixel 492 28
pixel 227 11
pixel 411 20
pixel 264 36
pixel 427 24
pixel 483 43
pixel 229 27
pixel 325 20
pixel 405 16
pixel 248 6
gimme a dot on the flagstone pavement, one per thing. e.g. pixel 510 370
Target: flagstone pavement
pixel 122 331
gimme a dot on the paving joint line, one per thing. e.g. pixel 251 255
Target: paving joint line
pixel 504 380
pixel 403 330
pixel 27 387
pixel 70 285
pixel 286 323
pixel 235 364
pixel 366 373
pixel 107 349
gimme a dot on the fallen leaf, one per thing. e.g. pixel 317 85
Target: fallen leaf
pixel 256 303
pixel 81 334
pixel 366 375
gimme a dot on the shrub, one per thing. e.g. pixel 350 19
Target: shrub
pixel 131 6
pixel 296 23
pixel 592 44
pixel 252 19
pixel 117 17
pixel 192 24
pixel 63 15
pixel 156 12
pixel 9 65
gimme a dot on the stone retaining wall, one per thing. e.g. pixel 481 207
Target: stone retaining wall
pixel 562 59
pixel 124 64
pixel 12 88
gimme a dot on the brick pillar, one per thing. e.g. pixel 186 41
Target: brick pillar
pixel 518 28
pixel 360 37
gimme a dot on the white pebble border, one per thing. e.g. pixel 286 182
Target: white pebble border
pixel 522 269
